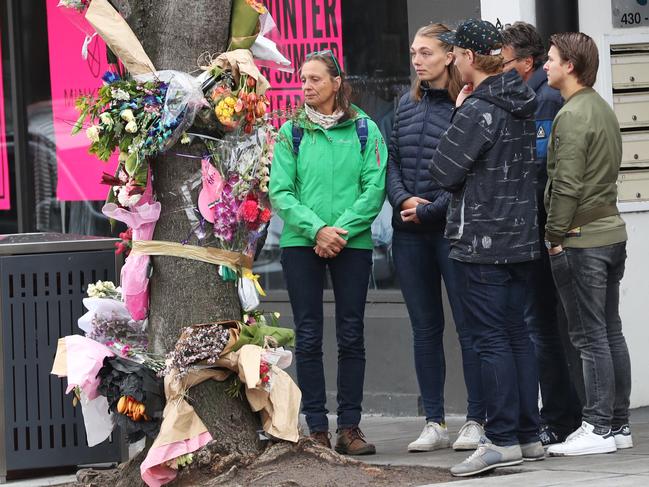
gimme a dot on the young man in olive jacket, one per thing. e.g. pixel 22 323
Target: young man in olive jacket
pixel 586 238
pixel 486 160
pixel 523 50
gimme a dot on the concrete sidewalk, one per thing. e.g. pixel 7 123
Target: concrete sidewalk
pixel 391 435
pixel 627 468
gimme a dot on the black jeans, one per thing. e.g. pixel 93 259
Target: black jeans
pixel 494 298
pixel 421 260
pixel 555 355
pixel 350 271
pixel 588 283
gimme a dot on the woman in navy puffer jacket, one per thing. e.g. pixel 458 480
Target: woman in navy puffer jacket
pixel 419 248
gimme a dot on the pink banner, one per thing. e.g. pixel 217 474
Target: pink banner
pixel 79 173
pixel 5 198
pixel 304 27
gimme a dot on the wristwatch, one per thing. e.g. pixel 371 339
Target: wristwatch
pixel 549 245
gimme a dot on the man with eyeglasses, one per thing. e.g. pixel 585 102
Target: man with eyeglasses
pixel 523 51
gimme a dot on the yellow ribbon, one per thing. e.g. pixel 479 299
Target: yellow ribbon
pixel 233 260
pixel 247 273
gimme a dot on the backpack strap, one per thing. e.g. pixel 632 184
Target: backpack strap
pixel 297 132
pixel 362 132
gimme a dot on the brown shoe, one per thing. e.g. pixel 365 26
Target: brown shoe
pixel 322 438
pixel 351 441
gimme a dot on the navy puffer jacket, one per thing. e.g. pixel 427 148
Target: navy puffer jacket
pixel 418 127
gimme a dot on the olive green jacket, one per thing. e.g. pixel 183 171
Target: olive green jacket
pixel 584 157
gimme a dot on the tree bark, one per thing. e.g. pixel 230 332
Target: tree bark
pixel 174 33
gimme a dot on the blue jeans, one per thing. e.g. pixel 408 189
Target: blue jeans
pixel 350 271
pixel 493 298
pixel 421 260
pixel 554 353
pixel 588 283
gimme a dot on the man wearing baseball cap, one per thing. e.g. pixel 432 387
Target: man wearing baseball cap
pixel 486 159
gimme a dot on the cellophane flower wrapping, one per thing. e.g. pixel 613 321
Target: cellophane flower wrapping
pixel 243 208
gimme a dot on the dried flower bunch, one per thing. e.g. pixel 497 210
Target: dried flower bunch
pixel 198 344
pixel 111 330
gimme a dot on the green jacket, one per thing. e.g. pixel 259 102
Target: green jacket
pixel 329 182
pixel 584 157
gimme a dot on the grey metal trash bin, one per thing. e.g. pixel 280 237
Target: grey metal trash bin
pixel 43 278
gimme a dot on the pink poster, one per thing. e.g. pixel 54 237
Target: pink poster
pixel 304 27
pixel 78 173
pixel 5 199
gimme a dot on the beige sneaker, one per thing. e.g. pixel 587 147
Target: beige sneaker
pixel 469 436
pixel 433 437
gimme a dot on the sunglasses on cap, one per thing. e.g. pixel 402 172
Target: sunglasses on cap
pixel 325 53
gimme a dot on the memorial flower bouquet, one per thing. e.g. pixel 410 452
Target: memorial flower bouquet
pixel 126 116
pixel 240 208
pixel 140 118
pixel 239 107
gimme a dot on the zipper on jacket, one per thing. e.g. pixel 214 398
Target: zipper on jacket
pixel 421 134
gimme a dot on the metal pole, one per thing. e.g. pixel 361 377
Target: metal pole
pixel 554 16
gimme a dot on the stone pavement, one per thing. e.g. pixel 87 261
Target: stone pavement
pixel 627 468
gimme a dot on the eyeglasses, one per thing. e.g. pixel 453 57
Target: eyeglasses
pixel 505 63
pixel 324 53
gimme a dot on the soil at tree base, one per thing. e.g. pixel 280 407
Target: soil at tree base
pixel 302 470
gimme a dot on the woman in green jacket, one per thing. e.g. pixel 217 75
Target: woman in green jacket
pixel 328 184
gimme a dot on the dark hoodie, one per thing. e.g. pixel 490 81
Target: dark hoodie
pixel 486 159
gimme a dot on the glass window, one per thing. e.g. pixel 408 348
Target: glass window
pixel 375 52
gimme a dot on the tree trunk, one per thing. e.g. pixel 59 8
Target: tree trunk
pixel 183 292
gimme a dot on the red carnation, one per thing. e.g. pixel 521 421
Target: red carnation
pixel 264 215
pixel 250 211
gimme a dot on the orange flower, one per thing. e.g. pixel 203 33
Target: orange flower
pixel 258 6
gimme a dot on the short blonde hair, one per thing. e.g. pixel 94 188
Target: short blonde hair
pixel 489 64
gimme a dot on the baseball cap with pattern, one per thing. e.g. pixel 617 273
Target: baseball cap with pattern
pixel 480 36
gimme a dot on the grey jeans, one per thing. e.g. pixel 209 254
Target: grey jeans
pixel 588 284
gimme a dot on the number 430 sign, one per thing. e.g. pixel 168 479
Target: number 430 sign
pixel 630 13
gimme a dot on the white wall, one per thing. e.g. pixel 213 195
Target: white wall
pixel 595 19
pixel 508 11
pixel 634 304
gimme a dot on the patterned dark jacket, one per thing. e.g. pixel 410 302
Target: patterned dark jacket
pixel 418 126
pixel 486 159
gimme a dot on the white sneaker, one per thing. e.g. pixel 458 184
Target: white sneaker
pixel 623 438
pixel 584 441
pixel 469 436
pixel 433 437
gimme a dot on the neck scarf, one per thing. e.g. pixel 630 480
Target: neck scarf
pixel 325 121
